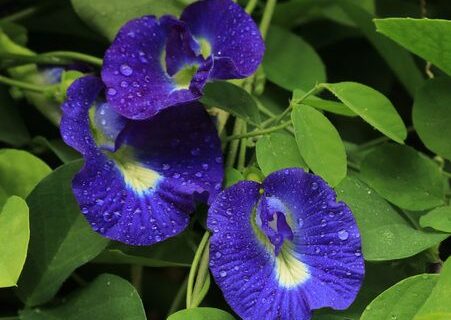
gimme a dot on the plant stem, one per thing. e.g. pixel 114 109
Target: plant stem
pixel 446 174
pixel 194 266
pixel 251 4
pixel 74 56
pixel 175 306
pixel 256 133
pixel 22 14
pixel 202 283
pixel 243 147
pixel 25 85
pixel 233 145
pixel 267 16
pixel 11 60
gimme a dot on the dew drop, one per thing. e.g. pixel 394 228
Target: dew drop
pixel 218 255
pixel 223 274
pixel 314 185
pixel 343 235
pixel 111 91
pixel 126 70
pixel 300 222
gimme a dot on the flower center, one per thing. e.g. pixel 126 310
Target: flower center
pixel 272 220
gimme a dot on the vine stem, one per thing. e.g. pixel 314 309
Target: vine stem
pixel 178 297
pixel 25 85
pixel 251 4
pixel 267 16
pixel 194 266
pixel 256 133
pixel 74 56
pixel 233 145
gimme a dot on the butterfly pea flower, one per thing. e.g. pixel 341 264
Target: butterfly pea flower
pixel 284 247
pixel 154 63
pixel 141 179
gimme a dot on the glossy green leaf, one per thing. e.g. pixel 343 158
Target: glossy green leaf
pixel 290 62
pixel 371 106
pixel 400 61
pixel 12 127
pixel 201 314
pixel 20 172
pixel 322 104
pixel 404 176
pixel 231 98
pixel 320 144
pixel 107 16
pixel 108 297
pixel 403 300
pixel 61 239
pixel 158 255
pixel 439 219
pixel 14 236
pixel 432 115
pixel 232 176
pixel 278 151
pixel 428 38
pixel 437 306
pixel 385 234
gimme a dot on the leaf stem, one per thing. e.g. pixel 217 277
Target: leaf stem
pixel 256 133
pixel 11 60
pixel 267 16
pixel 136 277
pixel 194 266
pixel 74 56
pixel 25 85
pixel 233 145
pixel 377 141
pixel 243 148
pixel 251 4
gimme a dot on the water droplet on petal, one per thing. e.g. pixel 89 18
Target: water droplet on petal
pixel 343 235
pixel 223 273
pixel 111 91
pixel 126 70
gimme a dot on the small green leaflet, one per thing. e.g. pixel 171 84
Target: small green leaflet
pixel 371 106
pixel 14 236
pixel 404 176
pixel 108 297
pixel 428 38
pixel 438 219
pixel 320 144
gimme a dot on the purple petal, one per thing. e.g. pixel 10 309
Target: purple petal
pixel 134 70
pixel 321 266
pixel 144 191
pixel 236 44
pixel 327 238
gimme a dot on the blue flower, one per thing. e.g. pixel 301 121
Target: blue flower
pixel 284 247
pixel 141 179
pixel 157 63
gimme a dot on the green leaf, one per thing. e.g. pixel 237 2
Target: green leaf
pixel 385 234
pixel 437 305
pixel 290 62
pixel 201 314
pixel 278 151
pixel 400 61
pixel 325 105
pixel 371 106
pixel 108 297
pixel 404 176
pixel 12 127
pixel 432 115
pixel 403 300
pixel 107 16
pixel 232 176
pixel 439 219
pixel 20 172
pixel 14 236
pixel 16 32
pixel 157 255
pixel 320 144
pixel 61 239
pixel 231 98
pixel 65 153
pixel 428 38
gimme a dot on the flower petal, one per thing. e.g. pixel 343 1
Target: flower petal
pixel 134 69
pixel 326 238
pixel 235 42
pixel 144 191
pixel 321 267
